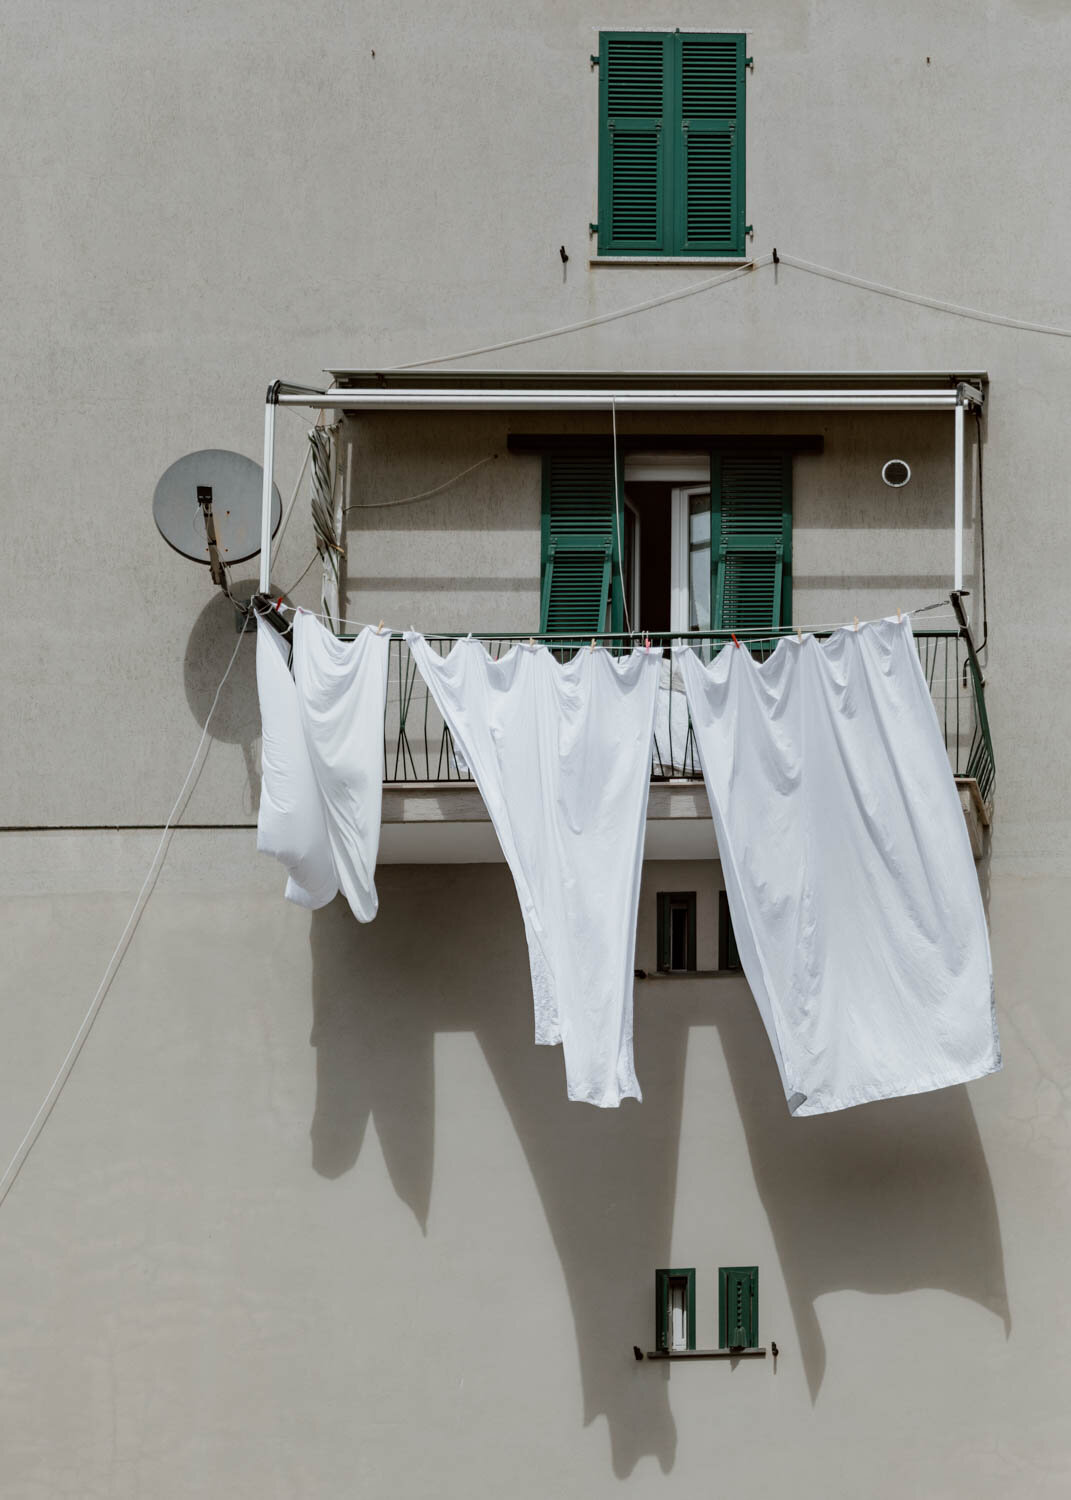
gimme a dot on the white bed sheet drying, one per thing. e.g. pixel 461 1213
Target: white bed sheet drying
pixel 322 761
pixel 562 757
pixel 851 883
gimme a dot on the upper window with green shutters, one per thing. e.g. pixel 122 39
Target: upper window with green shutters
pixel 671 143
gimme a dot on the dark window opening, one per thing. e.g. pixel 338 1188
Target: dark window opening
pixel 676 932
pixel 728 957
pixel 675 1310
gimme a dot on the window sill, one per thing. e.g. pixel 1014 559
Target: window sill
pixel 728 261
pixel 759 1353
pixel 689 974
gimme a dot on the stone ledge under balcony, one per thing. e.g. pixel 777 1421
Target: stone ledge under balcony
pixel 446 822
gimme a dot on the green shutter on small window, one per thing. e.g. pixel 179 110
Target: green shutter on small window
pixel 635 89
pixel 738 1307
pixel 671 143
pixel 751 515
pixel 578 544
pixel 710 197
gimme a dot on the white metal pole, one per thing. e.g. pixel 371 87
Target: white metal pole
pixel 957 570
pixel 266 494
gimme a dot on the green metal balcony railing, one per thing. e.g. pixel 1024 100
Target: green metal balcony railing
pixel 417 746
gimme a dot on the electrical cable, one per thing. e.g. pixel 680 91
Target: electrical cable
pixel 297 486
pixel 691 290
pixel 425 494
pixel 955 309
pixel 617 521
pixel 26 1145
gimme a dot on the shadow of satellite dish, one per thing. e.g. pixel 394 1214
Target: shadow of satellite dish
pixel 211 641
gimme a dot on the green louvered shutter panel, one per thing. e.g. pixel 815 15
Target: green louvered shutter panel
pixel 738 1307
pixel 578 544
pixel 709 207
pixel 635 94
pixel 751 534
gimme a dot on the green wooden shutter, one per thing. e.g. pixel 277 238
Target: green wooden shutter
pixel 710 175
pixel 578 544
pixel 635 91
pixel 671 143
pixel 738 1307
pixel 751 540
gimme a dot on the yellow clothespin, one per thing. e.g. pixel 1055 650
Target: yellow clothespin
pixel 379 627
pixel 898 614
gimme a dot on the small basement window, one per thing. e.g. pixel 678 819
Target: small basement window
pixel 676 932
pixel 675 1310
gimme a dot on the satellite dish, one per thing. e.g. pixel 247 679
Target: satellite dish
pixel 213 488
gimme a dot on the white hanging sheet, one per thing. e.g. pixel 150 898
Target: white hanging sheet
pixel 851 883
pixel 323 734
pixel 290 824
pixel 562 757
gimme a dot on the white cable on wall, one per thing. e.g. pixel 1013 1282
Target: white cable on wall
pixel 148 885
pixel 691 290
pixel 953 308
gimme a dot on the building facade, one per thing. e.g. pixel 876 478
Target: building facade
pixel 312 1215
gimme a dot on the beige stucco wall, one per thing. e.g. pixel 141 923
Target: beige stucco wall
pixel 313 1216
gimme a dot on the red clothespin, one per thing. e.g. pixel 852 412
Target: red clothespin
pixel 279 604
pixel 736 643
pixel 647 642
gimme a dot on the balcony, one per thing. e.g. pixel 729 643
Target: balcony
pixel 432 811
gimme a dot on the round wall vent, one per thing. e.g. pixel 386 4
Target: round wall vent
pixel 896 472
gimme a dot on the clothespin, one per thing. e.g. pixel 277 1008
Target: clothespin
pixel 799 635
pixel 279 604
pixel 593 643
pixel 531 640
pixel 647 643
pixel 856 625
pixel 736 643
pixel 898 614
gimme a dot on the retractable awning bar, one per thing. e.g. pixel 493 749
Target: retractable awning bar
pixel 626 399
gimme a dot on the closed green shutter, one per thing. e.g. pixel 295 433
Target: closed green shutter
pixel 635 87
pixel 751 535
pixel 738 1307
pixel 710 207
pixel 578 545
pixel 671 143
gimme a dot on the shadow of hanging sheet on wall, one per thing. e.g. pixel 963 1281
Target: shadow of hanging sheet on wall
pixel 910 1177
pixel 894 1196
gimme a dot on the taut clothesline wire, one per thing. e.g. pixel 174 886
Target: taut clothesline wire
pixel 764 635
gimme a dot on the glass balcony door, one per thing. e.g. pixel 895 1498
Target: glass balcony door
pixel 690 558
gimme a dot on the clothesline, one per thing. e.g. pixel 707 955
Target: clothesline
pixel 784 631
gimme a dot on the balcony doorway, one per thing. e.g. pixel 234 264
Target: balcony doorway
pixel 666 543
